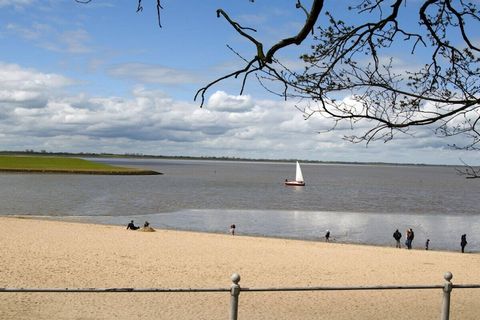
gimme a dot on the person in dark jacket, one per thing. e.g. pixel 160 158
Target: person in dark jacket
pixel 463 242
pixel 397 235
pixel 131 226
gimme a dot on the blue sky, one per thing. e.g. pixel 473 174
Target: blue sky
pixel 100 77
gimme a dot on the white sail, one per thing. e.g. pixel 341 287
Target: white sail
pixel 298 175
pixel 298 182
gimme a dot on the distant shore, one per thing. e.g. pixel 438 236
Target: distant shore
pixel 212 158
pixel 63 165
pixel 134 172
pixel 51 254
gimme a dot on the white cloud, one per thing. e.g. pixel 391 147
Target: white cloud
pixel 150 73
pixel 33 32
pixel 221 101
pixel 27 85
pixel 252 19
pixel 16 3
pixel 151 122
pixel 75 41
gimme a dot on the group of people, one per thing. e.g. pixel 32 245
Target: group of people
pixel 409 235
pixel 397 235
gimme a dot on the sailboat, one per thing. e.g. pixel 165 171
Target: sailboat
pixel 298 178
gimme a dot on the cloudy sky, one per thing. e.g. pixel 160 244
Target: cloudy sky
pixel 100 77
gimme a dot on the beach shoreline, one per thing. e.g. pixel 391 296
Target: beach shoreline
pixel 38 253
pixel 320 238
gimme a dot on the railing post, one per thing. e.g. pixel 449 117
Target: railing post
pixel 447 289
pixel 234 293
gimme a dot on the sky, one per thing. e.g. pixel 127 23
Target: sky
pixel 100 77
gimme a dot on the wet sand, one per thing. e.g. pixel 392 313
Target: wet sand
pixel 50 254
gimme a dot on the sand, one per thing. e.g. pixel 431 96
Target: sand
pixel 50 254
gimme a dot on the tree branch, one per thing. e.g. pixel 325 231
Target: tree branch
pixel 262 58
pixel 468 171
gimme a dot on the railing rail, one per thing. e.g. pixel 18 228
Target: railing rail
pixel 110 290
pixel 243 289
pixel 235 290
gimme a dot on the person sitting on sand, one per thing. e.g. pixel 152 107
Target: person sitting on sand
pixel 131 226
pixel 146 227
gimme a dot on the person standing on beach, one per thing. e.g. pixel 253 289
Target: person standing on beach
pixel 232 229
pixel 327 236
pixel 427 243
pixel 397 236
pixel 410 235
pixel 407 235
pixel 463 242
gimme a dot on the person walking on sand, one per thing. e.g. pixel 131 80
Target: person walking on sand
pixel 463 242
pixel 131 226
pixel 327 236
pixel 397 236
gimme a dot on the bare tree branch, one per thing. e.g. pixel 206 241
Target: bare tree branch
pixel 352 73
pixel 261 57
pixel 468 171
pixel 308 26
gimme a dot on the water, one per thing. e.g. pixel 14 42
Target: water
pixel 358 203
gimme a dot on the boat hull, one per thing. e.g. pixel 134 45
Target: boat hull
pixel 295 183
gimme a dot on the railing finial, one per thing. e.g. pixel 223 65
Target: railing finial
pixel 448 276
pixel 235 278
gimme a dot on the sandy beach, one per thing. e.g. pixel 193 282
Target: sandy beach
pixel 50 254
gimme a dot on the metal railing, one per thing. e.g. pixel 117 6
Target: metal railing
pixel 235 290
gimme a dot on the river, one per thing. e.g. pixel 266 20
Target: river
pixel 357 203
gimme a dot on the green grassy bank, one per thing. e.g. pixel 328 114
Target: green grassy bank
pixel 46 164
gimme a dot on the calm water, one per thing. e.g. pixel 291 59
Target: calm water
pixel 360 204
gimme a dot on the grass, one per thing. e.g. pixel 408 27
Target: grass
pixel 47 164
